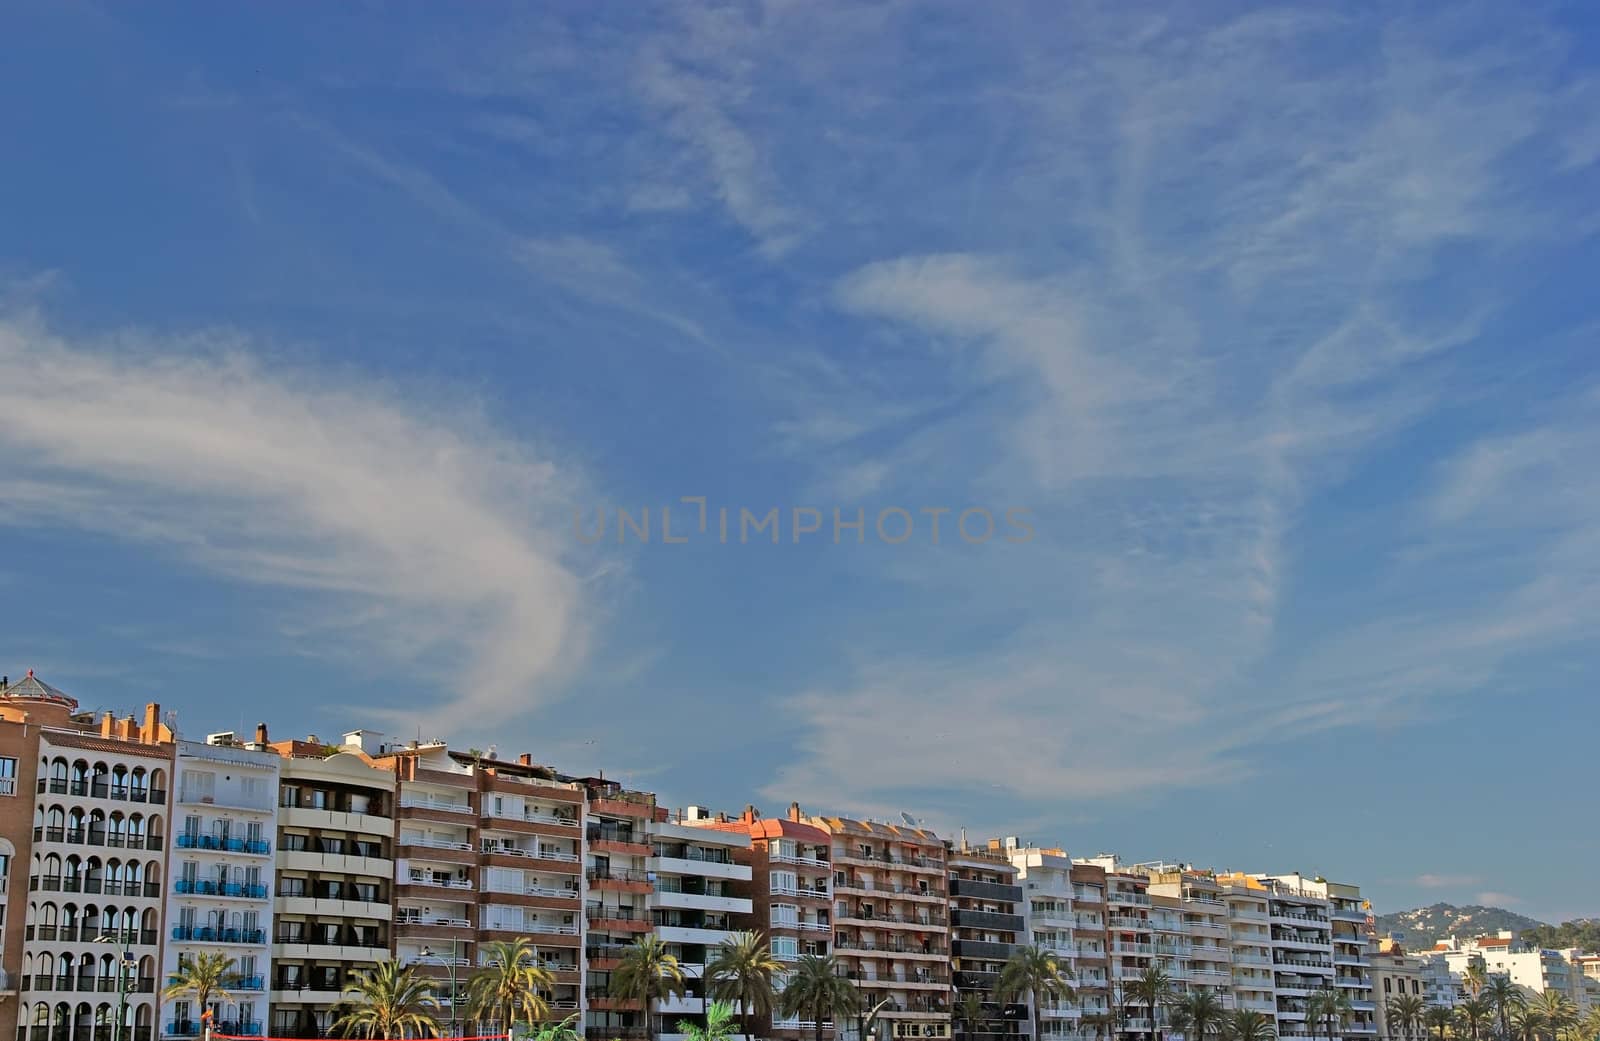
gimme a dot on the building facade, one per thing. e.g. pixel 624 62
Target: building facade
pixel 987 924
pixel 219 901
pixel 333 903
pixel 85 827
pixel 890 922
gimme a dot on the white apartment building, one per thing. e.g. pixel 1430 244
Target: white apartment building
pixel 1131 940
pixel 1320 936
pixel 692 906
pixel 220 897
pixel 1203 944
pixel 1250 944
pixel 1050 921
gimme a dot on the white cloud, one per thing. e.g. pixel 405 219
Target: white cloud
pixel 1431 881
pixel 441 545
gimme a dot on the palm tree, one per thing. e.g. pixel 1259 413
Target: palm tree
pixel 1474 980
pixel 1033 971
pixel 1245 1025
pixel 719 1024
pixel 388 1001
pixel 741 971
pixel 1473 1013
pixel 1504 996
pixel 1590 1027
pixel 1437 1017
pixel 970 1011
pixel 509 984
pixel 646 973
pixel 1405 1012
pixel 1329 1007
pixel 566 1030
pixel 818 990
pixel 200 977
pixel 1152 988
pixel 1201 1012
pixel 1526 1023
pixel 1558 1012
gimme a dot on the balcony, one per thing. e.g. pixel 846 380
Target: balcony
pixel 222 844
pixel 233 890
pixel 415 801
pixel 986 920
pixel 438 882
pixel 210 934
pixel 982 950
pixel 985 890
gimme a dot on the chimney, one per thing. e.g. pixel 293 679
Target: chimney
pixel 261 733
pixel 125 727
pixel 526 759
pixel 148 734
pixel 794 812
pixel 105 725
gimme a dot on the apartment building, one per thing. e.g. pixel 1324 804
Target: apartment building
pixel 84 820
pixel 1250 950
pixel 333 884
pixel 890 915
pixel 700 898
pixel 1394 973
pixel 790 891
pixel 1092 942
pixel 1202 947
pixel 618 834
pixel 220 899
pixel 1051 921
pixel 1130 944
pixel 486 850
pixel 1534 969
pixel 987 924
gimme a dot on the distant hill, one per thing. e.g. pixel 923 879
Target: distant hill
pixel 1425 926
pixel 1583 933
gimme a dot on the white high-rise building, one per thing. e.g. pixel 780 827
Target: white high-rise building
pixel 1050 921
pixel 219 900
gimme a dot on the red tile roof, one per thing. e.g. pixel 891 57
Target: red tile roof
pixel 63 739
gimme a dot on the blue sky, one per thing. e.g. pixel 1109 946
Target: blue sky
pixel 317 332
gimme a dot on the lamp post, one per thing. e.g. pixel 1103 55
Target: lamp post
pixel 427 952
pixel 125 967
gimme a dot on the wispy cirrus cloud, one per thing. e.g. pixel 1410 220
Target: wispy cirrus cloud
pixel 422 536
pixel 1225 334
pixel 1432 881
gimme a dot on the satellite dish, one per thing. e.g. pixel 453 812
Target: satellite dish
pixel 908 819
pixel 493 752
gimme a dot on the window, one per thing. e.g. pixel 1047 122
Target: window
pixel 1386 984
pixel 8 775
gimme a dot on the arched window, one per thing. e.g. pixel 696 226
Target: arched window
pixel 138 784
pixel 136 831
pixel 119 782
pixel 158 785
pixel 98 786
pixel 97 828
pixel 80 778
pixel 61 1022
pixel 91 919
pixel 69 922
pixel 152 871
pixel 46 965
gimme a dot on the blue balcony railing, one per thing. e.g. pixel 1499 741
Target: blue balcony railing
pixel 222 845
pixel 211 934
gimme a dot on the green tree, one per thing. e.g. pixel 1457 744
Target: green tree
pixel 1329 1007
pixel 969 1010
pixel 1437 1017
pixel 1503 996
pixel 388 1001
pixel 1033 971
pixel 201 978
pixel 719 1024
pixel 1473 1013
pixel 565 1030
pixel 1557 1011
pixel 507 987
pixel 647 973
pixel 818 990
pixel 1152 988
pixel 1404 1011
pixel 1526 1023
pixel 1474 979
pixel 1245 1025
pixel 1200 1012
pixel 742 970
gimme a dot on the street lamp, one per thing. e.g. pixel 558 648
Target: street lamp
pixel 427 952
pixel 125 967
